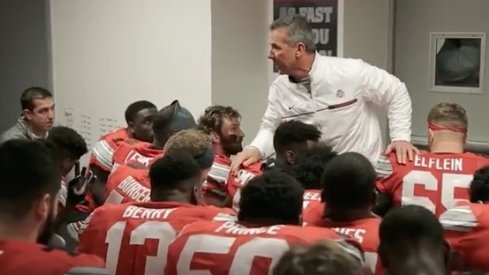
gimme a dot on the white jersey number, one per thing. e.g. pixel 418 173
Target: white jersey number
pixel 426 179
pixel 161 231
pixel 243 258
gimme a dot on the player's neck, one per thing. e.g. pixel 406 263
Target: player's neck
pixel 129 133
pixel 346 215
pixel 304 66
pixel 157 144
pixel 170 197
pixel 218 150
pixel 17 232
pixel 282 164
pixel 453 147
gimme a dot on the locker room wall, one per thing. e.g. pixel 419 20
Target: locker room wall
pixel 107 54
pixel 415 19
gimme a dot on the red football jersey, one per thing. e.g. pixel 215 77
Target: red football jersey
pixel 364 231
pixel 23 258
pixel 136 154
pixel 313 208
pixel 236 182
pixel 222 248
pixel 103 150
pixel 434 181
pixel 126 184
pixel 467 230
pixel 218 176
pixel 133 238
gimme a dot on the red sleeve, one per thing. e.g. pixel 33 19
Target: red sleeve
pixel 103 150
pixel 391 185
pixel 90 233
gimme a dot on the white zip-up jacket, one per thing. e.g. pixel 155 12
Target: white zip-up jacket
pixel 340 102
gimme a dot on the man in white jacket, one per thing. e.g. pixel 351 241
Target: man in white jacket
pixel 337 95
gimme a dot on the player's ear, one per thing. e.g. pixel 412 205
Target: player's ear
pixel 290 157
pixel 130 126
pixel 27 114
pixel 215 137
pixel 43 206
pixel 374 196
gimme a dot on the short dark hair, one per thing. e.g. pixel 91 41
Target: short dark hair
pixel 212 119
pixel 274 195
pixel 171 119
pixel 349 181
pixel 134 108
pixel 298 30
pixel 291 133
pixel 170 170
pixel 27 172
pixel 411 224
pixel 479 187
pixel 31 94
pixel 309 167
pixel 67 141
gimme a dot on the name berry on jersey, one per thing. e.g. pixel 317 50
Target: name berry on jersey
pixel 135 212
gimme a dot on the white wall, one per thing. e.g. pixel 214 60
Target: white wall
pixel 107 54
pixel 415 20
pixel 240 66
pixel 368 31
pixel 368 35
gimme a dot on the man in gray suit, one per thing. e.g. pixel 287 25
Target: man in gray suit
pixel 37 116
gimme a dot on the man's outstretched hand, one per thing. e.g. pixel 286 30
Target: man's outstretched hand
pixel 246 158
pixel 405 151
pixel 77 187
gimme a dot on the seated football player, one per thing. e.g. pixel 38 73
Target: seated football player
pixel 139 118
pixel 467 225
pixel 134 184
pixel 169 120
pixel 349 193
pixel 134 161
pixel 67 147
pixel 308 170
pixel 438 179
pixel 408 236
pixel 134 237
pixel 28 198
pixel 291 139
pixel 268 224
pixel 323 258
pixel 165 123
pixel 223 125
pixel 137 154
